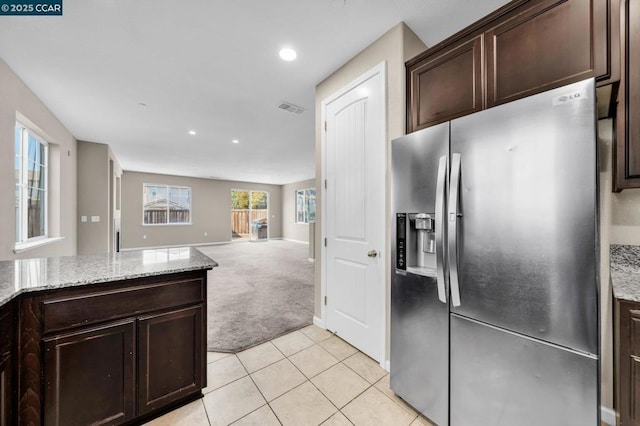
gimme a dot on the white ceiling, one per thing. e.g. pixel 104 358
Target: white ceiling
pixel 206 65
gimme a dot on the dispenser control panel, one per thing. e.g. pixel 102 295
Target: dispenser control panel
pixel 401 241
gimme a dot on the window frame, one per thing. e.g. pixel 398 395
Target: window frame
pixel 168 187
pixel 305 196
pixel 22 225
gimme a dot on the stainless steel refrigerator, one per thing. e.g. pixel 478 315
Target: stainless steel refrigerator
pixel 494 282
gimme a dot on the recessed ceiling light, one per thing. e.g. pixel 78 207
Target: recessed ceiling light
pixel 192 132
pixel 235 141
pixel 288 54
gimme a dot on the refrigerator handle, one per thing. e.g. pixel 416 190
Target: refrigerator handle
pixel 454 214
pixel 441 219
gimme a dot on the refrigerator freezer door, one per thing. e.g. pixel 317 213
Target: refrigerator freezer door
pixel 419 319
pixel 499 378
pixel 420 345
pixel 414 160
pixel 527 241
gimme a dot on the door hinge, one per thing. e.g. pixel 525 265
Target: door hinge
pixel 325 300
pixel 325 184
pixel 325 125
pixel 325 242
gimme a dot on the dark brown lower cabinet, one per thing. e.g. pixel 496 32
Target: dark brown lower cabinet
pixel 171 362
pixel 628 362
pixel 89 375
pixel 111 353
pixel 5 390
pixel 6 365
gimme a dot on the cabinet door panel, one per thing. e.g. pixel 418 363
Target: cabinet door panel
pixel 628 361
pixel 446 86
pixel 634 394
pixel 5 391
pixel 6 339
pixel 627 138
pixel 554 43
pixel 89 375
pixel 171 357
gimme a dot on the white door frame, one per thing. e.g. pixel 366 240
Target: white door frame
pixel 378 69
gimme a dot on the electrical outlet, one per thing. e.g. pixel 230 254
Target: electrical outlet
pixel 95 218
pixel 83 218
pixel 205 234
pixel 144 237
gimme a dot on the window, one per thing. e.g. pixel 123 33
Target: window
pixel 166 205
pixel 305 205
pixel 31 162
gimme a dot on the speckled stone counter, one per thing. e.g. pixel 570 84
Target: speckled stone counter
pixel 40 274
pixel 625 272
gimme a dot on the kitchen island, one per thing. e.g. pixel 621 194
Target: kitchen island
pixel 109 339
pixel 625 281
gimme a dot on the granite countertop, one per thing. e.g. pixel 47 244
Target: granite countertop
pixel 20 276
pixel 625 272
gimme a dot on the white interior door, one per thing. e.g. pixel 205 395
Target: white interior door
pixel 354 220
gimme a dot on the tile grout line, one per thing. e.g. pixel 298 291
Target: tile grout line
pixel 268 365
pixel 312 384
pixel 307 379
pixel 267 402
pixel 370 386
pixel 206 413
pixel 232 381
pixel 259 391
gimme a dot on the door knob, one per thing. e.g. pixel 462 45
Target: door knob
pixel 372 253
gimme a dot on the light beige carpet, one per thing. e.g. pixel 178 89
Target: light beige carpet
pixel 258 292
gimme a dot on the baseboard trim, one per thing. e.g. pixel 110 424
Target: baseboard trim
pixel 296 241
pixel 319 322
pixel 176 246
pixel 608 416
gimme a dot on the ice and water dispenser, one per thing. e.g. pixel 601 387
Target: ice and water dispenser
pixel 416 242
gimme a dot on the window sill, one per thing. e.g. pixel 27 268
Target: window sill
pixel 22 247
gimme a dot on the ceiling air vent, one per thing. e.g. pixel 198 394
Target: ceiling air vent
pixel 288 106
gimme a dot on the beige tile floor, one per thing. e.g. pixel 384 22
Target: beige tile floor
pixel 308 377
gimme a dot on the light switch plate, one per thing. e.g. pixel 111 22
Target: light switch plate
pixel 83 218
pixel 95 218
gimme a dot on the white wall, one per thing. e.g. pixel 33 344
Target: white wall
pixel 396 46
pixel 93 197
pixel 210 211
pixel 17 98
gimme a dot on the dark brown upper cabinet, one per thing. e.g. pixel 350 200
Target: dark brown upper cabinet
pixel 523 48
pixel 627 148
pixel 548 45
pixel 447 85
